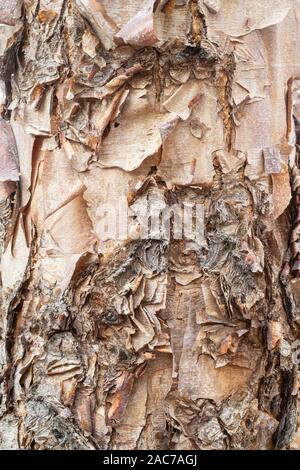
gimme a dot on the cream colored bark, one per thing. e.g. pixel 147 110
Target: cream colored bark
pixel 153 343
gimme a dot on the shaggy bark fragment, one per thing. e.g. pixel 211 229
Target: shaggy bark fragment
pixel 38 121
pixel 138 129
pixel 183 99
pixel 139 31
pixel 102 23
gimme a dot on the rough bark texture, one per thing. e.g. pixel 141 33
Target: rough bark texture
pixel 149 344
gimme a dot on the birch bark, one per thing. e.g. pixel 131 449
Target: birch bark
pixel 158 342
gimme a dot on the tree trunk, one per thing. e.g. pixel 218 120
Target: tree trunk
pixel 123 325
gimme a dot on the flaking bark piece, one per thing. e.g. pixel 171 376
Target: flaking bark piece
pixel 182 101
pixel 10 11
pixel 139 31
pixel 103 25
pixel 137 136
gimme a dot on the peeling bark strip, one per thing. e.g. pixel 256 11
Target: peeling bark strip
pixel 139 31
pixel 161 342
